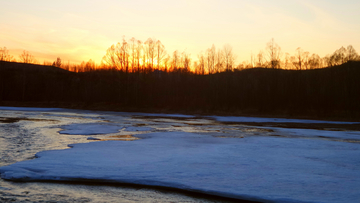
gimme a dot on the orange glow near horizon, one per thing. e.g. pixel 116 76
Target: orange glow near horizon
pixel 77 33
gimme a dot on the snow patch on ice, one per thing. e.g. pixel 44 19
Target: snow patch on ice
pixel 279 169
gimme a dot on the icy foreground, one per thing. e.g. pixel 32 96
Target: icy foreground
pixel 253 168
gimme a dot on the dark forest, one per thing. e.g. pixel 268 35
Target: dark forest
pixel 327 93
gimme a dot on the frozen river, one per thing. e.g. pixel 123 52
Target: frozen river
pixel 87 156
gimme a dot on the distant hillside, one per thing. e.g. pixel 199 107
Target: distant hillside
pixel 30 82
pixel 14 66
pixel 324 93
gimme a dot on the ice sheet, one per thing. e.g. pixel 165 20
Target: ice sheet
pixel 254 168
pixel 342 135
pixel 136 128
pixel 89 129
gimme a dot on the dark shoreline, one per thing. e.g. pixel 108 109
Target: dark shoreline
pixel 323 94
pixel 105 106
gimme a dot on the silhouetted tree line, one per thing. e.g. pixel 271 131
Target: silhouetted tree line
pixel 135 55
pixel 332 91
pixel 142 75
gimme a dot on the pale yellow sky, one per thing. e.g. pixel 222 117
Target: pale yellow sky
pixel 79 30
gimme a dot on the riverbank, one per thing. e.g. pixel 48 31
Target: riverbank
pixel 106 106
pixel 327 94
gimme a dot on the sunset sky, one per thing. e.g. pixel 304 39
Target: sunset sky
pixel 79 30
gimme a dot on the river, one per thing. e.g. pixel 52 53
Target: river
pixel 27 131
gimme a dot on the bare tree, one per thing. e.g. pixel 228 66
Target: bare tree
pixel 133 53
pixel 144 58
pixel 57 63
pixel 26 57
pixel 338 57
pixel 314 61
pixel 117 56
pixel 122 54
pixel 326 61
pixel 67 66
pixel 175 60
pixel 219 64
pixel 299 57
pixel 186 61
pixel 210 58
pixel 160 53
pixel 166 62
pixel 201 64
pixel 229 58
pixel 4 54
pixel 247 64
pixel 150 51
pixel 352 55
pixel 287 63
pixel 252 60
pixel 139 49
pixel 274 52
pixel 260 59
pixel 306 59
pixel 90 65
pixel 196 68
pixel 110 58
pixel 240 66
